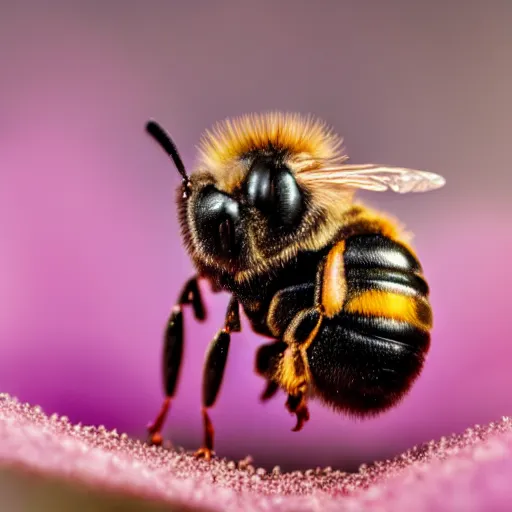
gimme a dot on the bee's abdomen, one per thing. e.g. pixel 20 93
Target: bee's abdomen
pixel 365 358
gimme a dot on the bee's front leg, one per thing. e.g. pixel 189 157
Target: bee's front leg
pixel 173 351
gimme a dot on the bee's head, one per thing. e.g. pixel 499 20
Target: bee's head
pixel 236 226
pixel 244 207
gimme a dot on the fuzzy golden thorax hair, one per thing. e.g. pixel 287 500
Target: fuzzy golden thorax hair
pixel 302 144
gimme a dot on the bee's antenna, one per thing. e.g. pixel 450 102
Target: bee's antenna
pixel 159 134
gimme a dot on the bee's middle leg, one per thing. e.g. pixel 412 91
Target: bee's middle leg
pixel 213 373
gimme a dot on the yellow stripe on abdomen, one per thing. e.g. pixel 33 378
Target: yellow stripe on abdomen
pixel 414 310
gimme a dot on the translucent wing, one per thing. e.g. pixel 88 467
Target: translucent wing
pixel 377 178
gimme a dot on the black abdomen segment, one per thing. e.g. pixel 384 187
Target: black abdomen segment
pixel 364 363
pixel 360 372
pixel 377 262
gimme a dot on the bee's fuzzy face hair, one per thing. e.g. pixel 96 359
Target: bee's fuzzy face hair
pixel 305 143
pixel 291 133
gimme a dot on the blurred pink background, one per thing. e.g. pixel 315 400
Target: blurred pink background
pixel 90 259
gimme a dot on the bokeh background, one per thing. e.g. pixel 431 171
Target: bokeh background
pixel 90 258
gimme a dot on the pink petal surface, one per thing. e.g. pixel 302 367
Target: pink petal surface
pixel 471 471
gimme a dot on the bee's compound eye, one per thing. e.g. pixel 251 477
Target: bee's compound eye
pixel 217 218
pixel 289 201
pixel 274 191
pixel 259 186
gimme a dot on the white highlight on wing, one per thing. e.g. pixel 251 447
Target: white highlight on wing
pixel 377 178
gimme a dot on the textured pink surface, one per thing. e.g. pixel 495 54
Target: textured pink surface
pixel 469 472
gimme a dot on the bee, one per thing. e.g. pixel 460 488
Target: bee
pixel 269 216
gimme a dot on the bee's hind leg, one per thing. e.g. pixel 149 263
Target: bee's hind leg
pixel 297 404
pixel 294 367
pixel 330 294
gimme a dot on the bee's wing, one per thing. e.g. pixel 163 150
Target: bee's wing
pixel 378 178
